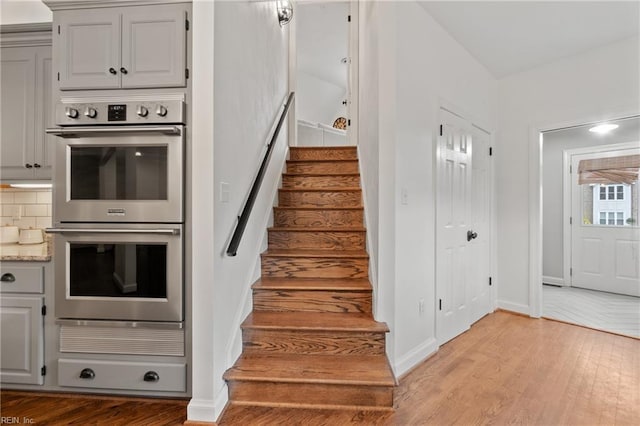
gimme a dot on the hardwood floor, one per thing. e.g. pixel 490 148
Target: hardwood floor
pixel 507 369
pixel 71 409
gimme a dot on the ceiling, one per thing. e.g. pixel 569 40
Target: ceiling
pixel 512 36
pixel 628 131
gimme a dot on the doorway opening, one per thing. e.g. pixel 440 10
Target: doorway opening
pixel 590 233
pixel 324 70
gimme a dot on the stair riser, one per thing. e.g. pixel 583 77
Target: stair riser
pixel 313 342
pixel 318 218
pixel 312 301
pixel 323 154
pixel 324 240
pixel 339 181
pixel 320 199
pixel 309 393
pixel 295 267
pixel 320 167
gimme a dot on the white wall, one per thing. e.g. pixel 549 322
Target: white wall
pixel 250 84
pixel 555 143
pixel 597 85
pixel 23 12
pixel 319 101
pixel 420 66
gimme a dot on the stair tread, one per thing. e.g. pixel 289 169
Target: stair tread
pixel 324 160
pixel 316 229
pixel 325 321
pixel 323 189
pixel 362 370
pixel 324 148
pixel 318 208
pixel 322 284
pixel 343 254
pixel 304 174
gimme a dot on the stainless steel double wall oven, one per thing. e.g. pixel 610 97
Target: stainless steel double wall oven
pixel 119 210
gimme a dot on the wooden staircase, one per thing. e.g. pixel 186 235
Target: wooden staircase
pixel 311 340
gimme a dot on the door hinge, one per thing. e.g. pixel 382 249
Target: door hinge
pixel 490 281
pixel 490 151
pixel 186 73
pixel 43 370
pixel 58 76
pixel 570 220
pixel 43 310
pixel 348 18
pixel 186 24
pixel 349 122
pixel 570 168
pixel 570 272
pixel 441 130
pixel 58 29
pixel 440 304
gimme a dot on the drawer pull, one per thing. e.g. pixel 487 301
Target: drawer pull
pixel 87 373
pixel 151 376
pixel 8 278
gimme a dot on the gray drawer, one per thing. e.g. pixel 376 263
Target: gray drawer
pixel 21 279
pixel 122 375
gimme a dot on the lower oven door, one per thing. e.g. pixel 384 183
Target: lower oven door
pixel 129 273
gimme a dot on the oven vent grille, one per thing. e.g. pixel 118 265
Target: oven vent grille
pixel 119 340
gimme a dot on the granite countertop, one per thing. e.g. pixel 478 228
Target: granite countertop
pixel 27 252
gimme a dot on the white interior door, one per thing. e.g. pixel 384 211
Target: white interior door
pixel 453 261
pixel 480 246
pixel 605 235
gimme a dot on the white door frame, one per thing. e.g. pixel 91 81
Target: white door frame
pixel 535 196
pixel 352 77
pixel 566 198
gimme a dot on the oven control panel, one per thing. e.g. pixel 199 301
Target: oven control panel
pixel 129 112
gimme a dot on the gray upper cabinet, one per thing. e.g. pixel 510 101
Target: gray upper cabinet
pixel 26 89
pixel 130 47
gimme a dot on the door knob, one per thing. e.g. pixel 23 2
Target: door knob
pixel 471 235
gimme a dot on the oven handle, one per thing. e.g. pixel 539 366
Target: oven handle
pixel 171 231
pixel 66 132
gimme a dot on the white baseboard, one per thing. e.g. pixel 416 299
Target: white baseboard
pixel 514 307
pixel 202 410
pixel 221 401
pixel 552 280
pixel 415 357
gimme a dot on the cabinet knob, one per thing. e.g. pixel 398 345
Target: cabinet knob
pixel 151 376
pixel 113 71
pixel 87 373
pixel 8 278
pixel 36 165
pixel 28 166
pixel 123 70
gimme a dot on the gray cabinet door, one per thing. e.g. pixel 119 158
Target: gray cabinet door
pixel 88 49
pixel 18 118
pixel 154 46
pixel 22 345
pixel 44 144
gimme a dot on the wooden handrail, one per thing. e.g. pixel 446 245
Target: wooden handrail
pixel 232 250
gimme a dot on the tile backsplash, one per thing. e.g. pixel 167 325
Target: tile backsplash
pixel 25 208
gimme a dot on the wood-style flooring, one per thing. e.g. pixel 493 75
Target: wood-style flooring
pixel 615 313
pixel 507 369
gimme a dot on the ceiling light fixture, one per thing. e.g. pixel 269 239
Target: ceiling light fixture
pixel 30 185
pixel 603 128
pixel 285 12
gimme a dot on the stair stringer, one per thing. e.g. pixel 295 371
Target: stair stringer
pixel 233 348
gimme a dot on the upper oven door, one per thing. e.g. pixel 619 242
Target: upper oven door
pixel 119 174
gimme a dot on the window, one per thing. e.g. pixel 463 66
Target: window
pixel 619 192
pixel 603 218
pixel 603 193
pixel 619 219
pixel 611 193
pixel 611 218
